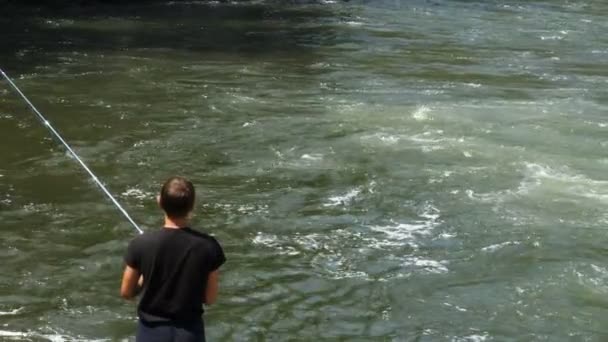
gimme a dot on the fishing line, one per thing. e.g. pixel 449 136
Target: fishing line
pixel 48 125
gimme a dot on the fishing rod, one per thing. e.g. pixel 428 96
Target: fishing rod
pixel 48 125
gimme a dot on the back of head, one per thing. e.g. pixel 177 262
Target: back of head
pixel 177 197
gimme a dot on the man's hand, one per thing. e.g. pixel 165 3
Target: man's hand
pixel 130 285
pixel 140 285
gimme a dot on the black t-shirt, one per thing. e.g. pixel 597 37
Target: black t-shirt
pixel 175 264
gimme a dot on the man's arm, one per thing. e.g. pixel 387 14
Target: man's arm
pixel 129 287
pixel 213 286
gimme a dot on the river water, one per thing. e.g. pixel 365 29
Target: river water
pixel 376 170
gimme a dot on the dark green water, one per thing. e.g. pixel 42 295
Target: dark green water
pixel 387 170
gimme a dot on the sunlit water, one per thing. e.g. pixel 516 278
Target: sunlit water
pixel 387 170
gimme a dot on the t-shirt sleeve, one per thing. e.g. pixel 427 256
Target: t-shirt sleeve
pixel 217 257
pixel 133 255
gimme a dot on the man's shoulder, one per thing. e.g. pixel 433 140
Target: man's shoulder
pixel 213 251
pixel 193 235
pixel 202 237
pixel 146 237
pixel 197 234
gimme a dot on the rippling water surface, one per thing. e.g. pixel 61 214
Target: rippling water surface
pixel 376 170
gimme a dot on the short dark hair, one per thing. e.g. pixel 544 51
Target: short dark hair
pixel 177 197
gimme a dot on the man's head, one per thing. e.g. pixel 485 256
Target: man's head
pixel 177 197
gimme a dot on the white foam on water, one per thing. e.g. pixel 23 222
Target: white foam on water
pixel 446 235
pixel 202 2
pixel 4 333
pixel 252 208
pixel 371 188
pixel 354 23
pixel 421 113
pixel 382 138
pixel 397 234
pixel 344 199
pixel 279 246
pixel 244 99
pixel 542 171
pixel 329 253
pixel 595 278
pixel 140 143
pixel 316 241
pixel 386 314
pixel 326 250
pixel 472 338
pixel 553 37
pixel 338 266
pixel 389 139
pixel 429 332
pixel 429 137
pixel 455 307
pixel 137 193
pixel 54 337
pixel 312 157
pixel 34 207
pixel 242 208
pixel 596 196
pixel 11 312
pixel 405 233
pixel 433 92
pixel 269 240
pixel 319 65
pixel 491 197
pixel 350 107
pixel 433 137
pixel 572 184
pixel 428 265
pixel 330 256
pixel 290 158
pixel 598 124
pixel 341 253
pixel 537 177
pixel 492 248
pixel 600 270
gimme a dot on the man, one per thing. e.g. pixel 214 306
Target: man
pixel 176 268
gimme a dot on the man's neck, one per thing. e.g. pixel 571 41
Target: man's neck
pixel 176 223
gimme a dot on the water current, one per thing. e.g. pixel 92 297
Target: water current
pixel 376 170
